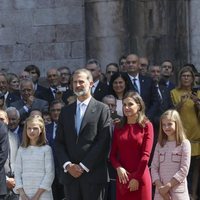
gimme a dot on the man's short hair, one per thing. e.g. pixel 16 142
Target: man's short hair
pixel 29 68
pixel 94 61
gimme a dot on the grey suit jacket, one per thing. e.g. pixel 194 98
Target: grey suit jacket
pixel 90 147
pixel 38 104
pixel 3 156
pixel 13 147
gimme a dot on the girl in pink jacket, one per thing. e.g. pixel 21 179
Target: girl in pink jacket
pixel 171 159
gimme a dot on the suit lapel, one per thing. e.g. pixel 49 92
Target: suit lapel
pixel 90 111
pixel 142 83
pixel 72 119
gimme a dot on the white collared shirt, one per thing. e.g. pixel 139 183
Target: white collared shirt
pixel 137 81
pixel 94 86
pixel 86 102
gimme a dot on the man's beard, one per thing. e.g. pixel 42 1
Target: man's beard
pixel 83 92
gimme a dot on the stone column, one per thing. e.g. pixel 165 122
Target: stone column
pixel 159 30
pixel 194 25
pixel 106 34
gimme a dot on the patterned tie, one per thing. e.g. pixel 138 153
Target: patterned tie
pixel 135 85
pixel 159 93
pixel 79 117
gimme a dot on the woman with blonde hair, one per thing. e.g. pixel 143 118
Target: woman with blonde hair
pixel 34 167
pixel 186 100
pixel 171 159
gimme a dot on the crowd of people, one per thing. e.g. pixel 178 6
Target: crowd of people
pixel 128 133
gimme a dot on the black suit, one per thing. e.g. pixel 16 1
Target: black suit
pixel 90 148
pixel 148 93
pixel 49 96
pixel 40 91
pixel 100 91
pixel 57 188
pixel 4 146
pixel 12 97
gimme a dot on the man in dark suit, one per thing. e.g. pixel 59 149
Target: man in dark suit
pixel 167 71
pixel 144 85
pixel 82 142
pixel 4 146
pixel 99 89
pixel 55 91
pixel 54 109
pixel 164 100
pixel 28 102
pixel 34 72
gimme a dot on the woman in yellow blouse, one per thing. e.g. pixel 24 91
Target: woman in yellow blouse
pixel 187 101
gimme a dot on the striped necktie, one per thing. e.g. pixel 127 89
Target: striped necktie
pixel 135 85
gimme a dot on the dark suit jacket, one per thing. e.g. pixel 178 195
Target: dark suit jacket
pixel 38 104
pixel 148 94
pixel 4 146
pixel 90 147
pixel 12 97
pixel 49 134
pixel 40 91
pixel 51 142
pixel 170 84
pixel 164 104
pixel 100 91
pixel 48 95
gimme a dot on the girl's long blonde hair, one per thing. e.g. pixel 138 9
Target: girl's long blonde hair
pixel 179 133
pixel 42 137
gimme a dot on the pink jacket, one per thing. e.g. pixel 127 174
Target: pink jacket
pixel 171 161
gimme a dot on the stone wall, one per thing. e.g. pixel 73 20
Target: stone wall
pixel 52 33
pixel 194 42
pixel 106 30
pixel 48 33
pixel 159 30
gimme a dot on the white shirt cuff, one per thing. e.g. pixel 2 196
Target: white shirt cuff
pixel 65 165
pixel 84 167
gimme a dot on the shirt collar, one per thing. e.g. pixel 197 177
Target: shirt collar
pixel 86 102
pixel 95 83
pixel 134 77
pixel 6 95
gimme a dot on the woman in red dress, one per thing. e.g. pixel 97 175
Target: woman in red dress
pixel 130 151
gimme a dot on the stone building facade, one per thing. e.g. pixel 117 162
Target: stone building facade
pixel 54 33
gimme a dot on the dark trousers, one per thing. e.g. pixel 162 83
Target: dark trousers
pixel 194 176
pixel 57 189
pixel 2 197
pixel 81 190
pixel 111 190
